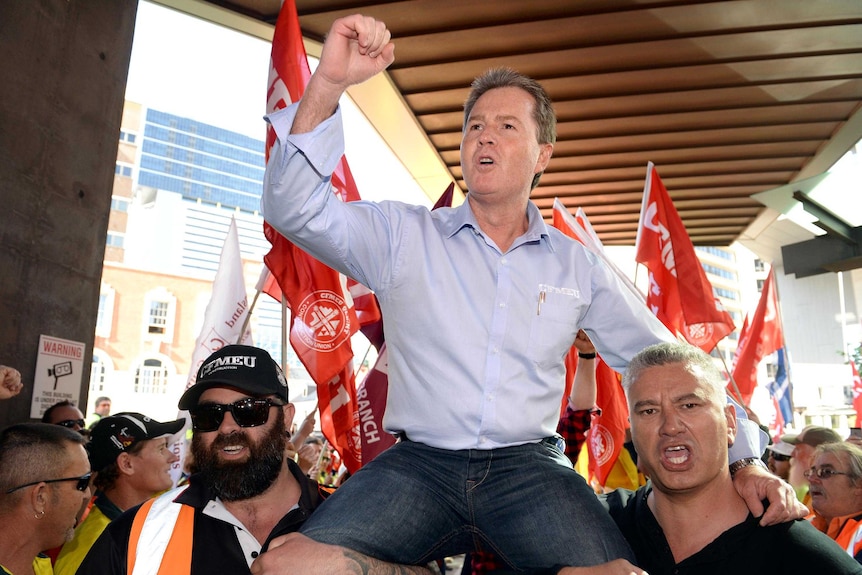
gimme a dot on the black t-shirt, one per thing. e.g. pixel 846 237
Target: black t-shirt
pixel 789 548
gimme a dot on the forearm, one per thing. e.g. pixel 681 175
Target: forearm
pixel 583 394
pixel 318 103
pixel 358 563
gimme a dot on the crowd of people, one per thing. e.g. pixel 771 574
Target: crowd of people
pixel 481 303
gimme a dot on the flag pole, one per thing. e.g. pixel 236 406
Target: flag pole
pixel 247 320
pixel 732 381
pixel 284 336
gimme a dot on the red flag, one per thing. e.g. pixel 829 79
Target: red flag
pixel 857 393
pixel 607 431
pixel 760 337
pixel 371 397
pixel 686 307
pixel 323 317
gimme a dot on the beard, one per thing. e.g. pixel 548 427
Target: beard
pixel 238 480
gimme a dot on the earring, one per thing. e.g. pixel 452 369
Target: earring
pixel 39 515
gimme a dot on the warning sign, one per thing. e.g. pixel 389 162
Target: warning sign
pixel 59 367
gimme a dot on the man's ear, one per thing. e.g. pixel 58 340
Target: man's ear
pixel 730 416
pixel 125 463
pixel 545 152
pixel 38 497
pixel 289 413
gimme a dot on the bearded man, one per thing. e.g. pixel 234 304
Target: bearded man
pixel 243 491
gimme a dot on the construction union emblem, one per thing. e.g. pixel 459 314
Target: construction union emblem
pixel 700 333
pixel 601 443
pixel 326 320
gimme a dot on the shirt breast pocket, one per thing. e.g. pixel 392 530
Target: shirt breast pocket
pixel 553 329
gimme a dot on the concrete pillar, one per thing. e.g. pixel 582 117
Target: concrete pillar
pixel 65 64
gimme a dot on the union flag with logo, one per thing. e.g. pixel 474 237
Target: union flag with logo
pixel 680 294
pixel 323 313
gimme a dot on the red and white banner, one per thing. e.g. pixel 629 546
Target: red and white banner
pixel 371 398
pixel 680 294
pixel 323 316
pixel 760 337
pixel 228 307
pixel 223 321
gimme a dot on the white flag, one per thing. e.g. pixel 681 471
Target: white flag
pixel 224 318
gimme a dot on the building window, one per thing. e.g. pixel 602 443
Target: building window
pixel 759 266
pixel 115 240
pixel 105 315
pixel 760 284
pixel 119 204
pixel 151 377
pixel 158 317
pixel 123 170
pixel 99 371
pixel 128 137
pixel 160 310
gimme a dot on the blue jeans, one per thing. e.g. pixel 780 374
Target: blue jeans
pixel 414 503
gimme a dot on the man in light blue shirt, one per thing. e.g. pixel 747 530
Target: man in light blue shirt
pixel 481 303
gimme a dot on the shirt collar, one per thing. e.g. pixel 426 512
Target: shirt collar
pixel 462 216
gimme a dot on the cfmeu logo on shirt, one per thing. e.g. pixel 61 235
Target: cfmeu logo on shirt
pixel 324 320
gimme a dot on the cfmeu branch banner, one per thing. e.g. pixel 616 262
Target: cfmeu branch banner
pixel 59 367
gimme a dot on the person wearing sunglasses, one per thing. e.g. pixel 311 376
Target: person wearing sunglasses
pixel 65 413
pixel 132 457
pixel 779 459
pixel 243 490
pixel 836 494
pixel 44 480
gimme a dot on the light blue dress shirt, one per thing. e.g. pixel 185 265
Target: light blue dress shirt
pixel 476 336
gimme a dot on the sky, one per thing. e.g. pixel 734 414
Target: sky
pixel 195 69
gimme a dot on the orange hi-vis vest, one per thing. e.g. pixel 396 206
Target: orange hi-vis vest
pixel 846 531
pixel 162 530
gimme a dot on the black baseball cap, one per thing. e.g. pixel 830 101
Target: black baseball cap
pixel 114 434
pixel 242 367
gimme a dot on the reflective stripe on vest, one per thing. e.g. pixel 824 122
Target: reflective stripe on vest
pixel 162 531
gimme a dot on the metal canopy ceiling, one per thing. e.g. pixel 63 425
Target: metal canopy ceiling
pixel 728 99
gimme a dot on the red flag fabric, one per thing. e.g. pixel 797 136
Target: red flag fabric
pixel 607 432
pixel 857 393
pixel 323 317
pixel 371 397
pixel 686 307
pixel 760 337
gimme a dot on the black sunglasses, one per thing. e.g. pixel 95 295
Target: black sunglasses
pixel 70 423
pixel 83 482
pixel 778 456
pixel 247 412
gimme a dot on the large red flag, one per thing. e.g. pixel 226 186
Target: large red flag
pixel 857 393
pixel 686 307
pixel 323 316
pixel 607 432
pixel 761 337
